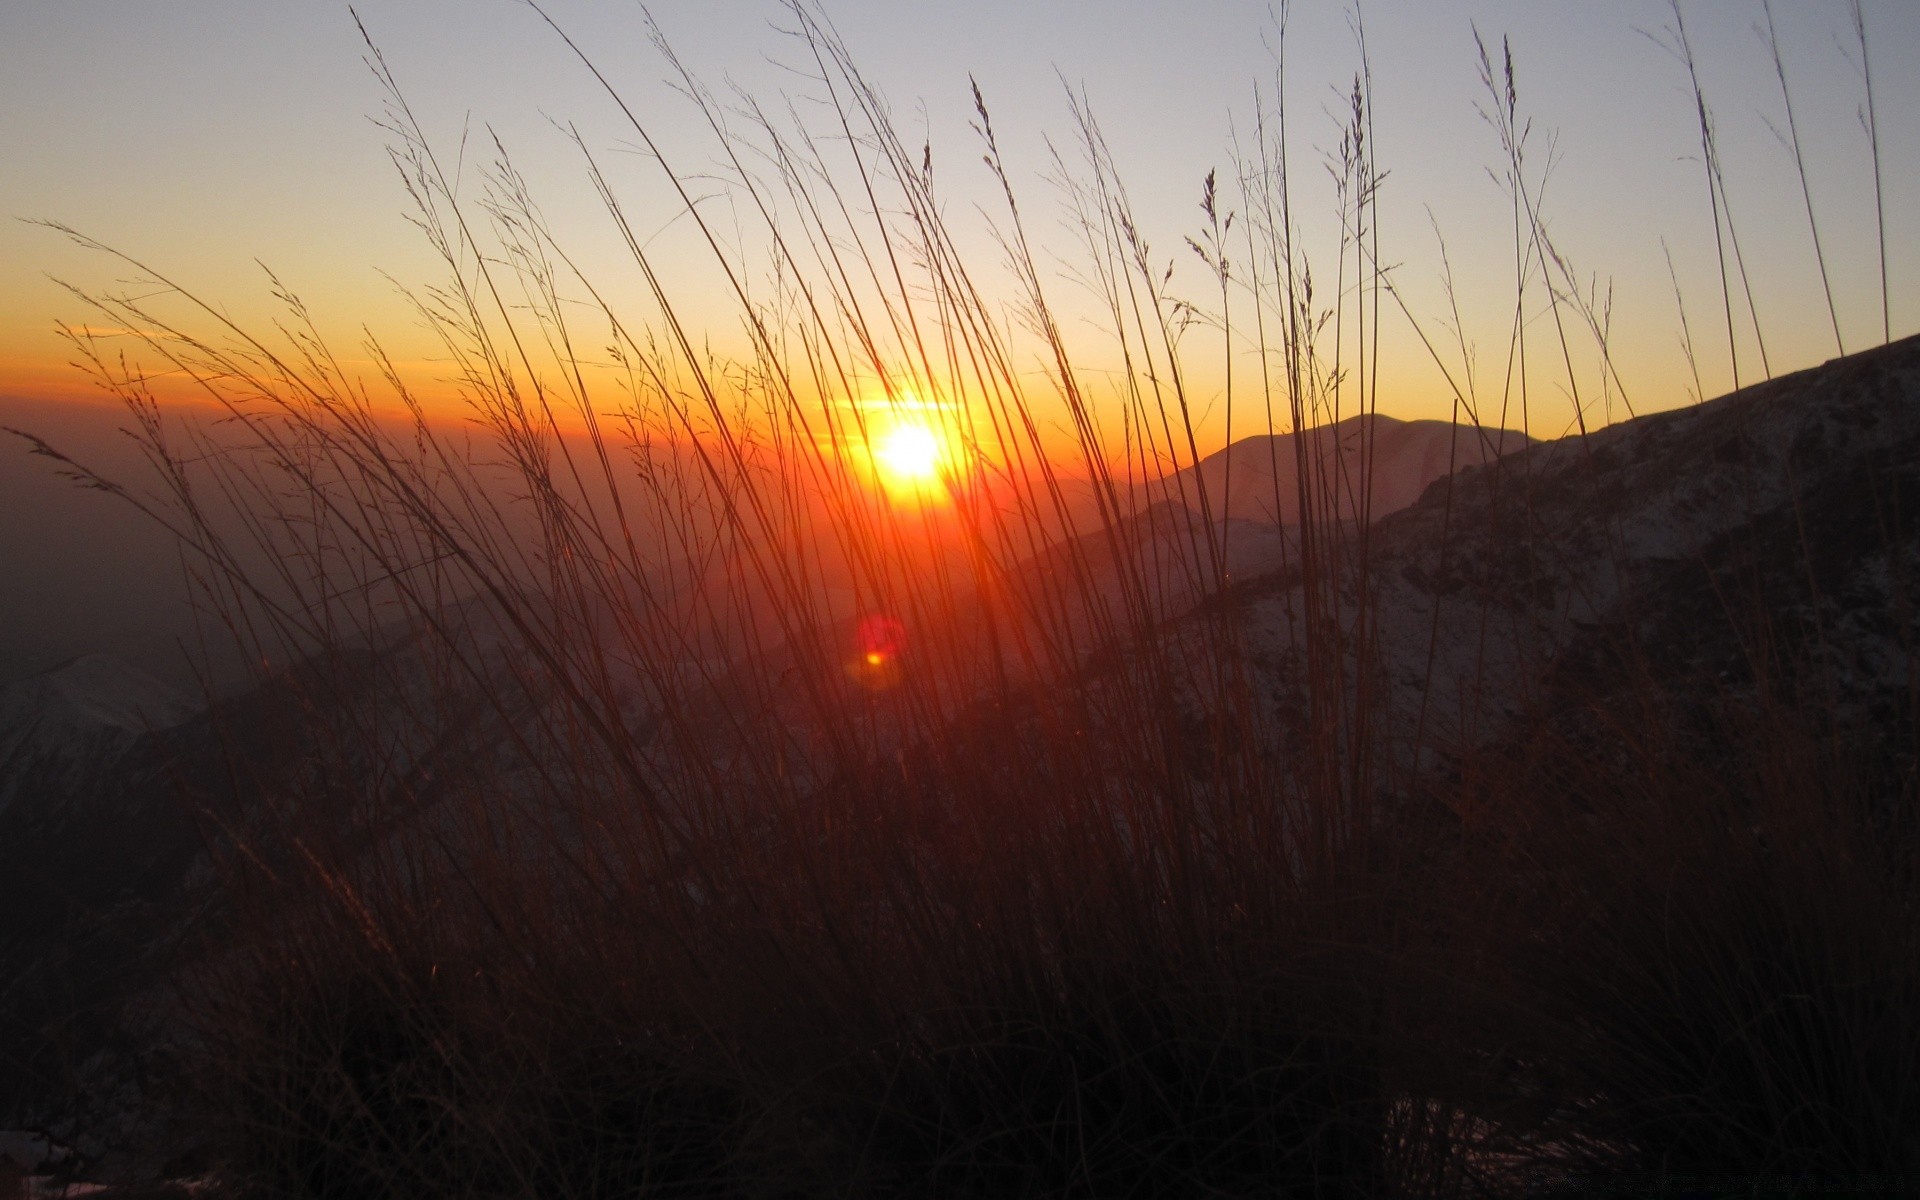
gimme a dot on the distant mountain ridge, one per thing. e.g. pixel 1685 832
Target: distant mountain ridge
pixel 1371 464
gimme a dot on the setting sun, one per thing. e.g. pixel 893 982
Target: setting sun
pixel 910 457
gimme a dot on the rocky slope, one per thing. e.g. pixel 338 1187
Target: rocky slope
pixel 1767 535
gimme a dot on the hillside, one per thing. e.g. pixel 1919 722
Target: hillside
pixel 1765 533
pixel 1758 548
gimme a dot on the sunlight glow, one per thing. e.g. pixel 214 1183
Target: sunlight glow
pixel 910 456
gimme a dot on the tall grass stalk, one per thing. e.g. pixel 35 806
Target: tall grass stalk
pixel 1724 232
pixel 1870 124
pixel 1792 140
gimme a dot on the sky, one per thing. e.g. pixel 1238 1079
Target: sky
pixel 210 138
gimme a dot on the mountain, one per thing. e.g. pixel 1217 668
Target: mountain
pixel 62 729
pixel 1764 538
pixel 1372 465
pixel 1258 478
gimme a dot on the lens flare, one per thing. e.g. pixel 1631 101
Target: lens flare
pixel 879 640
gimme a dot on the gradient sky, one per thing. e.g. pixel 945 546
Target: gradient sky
pixel 203 135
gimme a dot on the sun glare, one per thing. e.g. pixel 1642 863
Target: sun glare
pixel 910 457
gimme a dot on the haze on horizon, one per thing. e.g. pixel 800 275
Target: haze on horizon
pixel 211 138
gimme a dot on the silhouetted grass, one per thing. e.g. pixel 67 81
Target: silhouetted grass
pixel 666 810
pixel 1714 940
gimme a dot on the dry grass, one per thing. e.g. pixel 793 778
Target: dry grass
pixel 590 855
pixel 1710 950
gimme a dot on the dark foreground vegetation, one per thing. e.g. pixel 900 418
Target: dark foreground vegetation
pixel 665 810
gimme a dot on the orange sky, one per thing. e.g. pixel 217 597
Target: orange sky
pixel 203 136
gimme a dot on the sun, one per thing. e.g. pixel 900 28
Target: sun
pixel 910 457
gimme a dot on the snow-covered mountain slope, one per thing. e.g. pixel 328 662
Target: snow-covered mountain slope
pixel 61 729
pixel 1769 530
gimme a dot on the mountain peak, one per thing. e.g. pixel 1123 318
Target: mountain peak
pixel 1368 463
pixel 99 690
pixel 72 723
